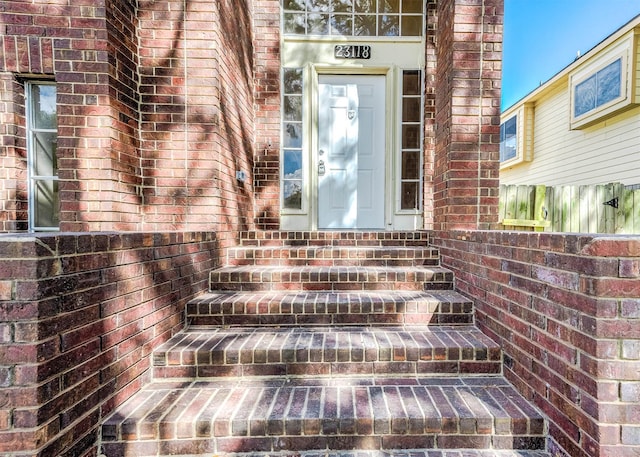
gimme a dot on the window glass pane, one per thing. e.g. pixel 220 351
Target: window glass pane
pixel 292 81
pixel 410 165
pixel 411 110
pixel 508 139
pixel 297 5
pixel 609 80
pixel 585 96
pixel 411 136
pixel 389 25
pixel 292 135
pixel 318 24
pixel 365 26
pixel 292 164
pixel 343 6
pixel 44 157
pixel 46 205
pixel 44 106
pixel 389 6
pixel 342 25
pixel 292 108
pixel 411 82
pixel 294 24
pixel 409 195
pixel 318 6
pixel 366 6
pixel 292 193
pixel 411 25
pixel 412 6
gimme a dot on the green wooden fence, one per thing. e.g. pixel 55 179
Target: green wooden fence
pixel 608 208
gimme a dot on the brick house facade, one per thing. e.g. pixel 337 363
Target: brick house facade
pixel 159 104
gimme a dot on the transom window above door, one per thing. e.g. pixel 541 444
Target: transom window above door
pixel 361 18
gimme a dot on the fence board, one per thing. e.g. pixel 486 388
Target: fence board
pixel 572 208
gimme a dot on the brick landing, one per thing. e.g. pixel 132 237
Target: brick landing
pixel 364 345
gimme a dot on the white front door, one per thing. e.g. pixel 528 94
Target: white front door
pixel 351 152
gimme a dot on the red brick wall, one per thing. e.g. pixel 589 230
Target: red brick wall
pixel 155 112
pixel 79 317
pixel 267 90
pixel 197 114
pixel 467 114
pixel 565 310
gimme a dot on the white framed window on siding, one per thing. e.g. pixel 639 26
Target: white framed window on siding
pixel 509 139
pixel 603 86
pixel 292 139
pixel 411 141
pixel 42 140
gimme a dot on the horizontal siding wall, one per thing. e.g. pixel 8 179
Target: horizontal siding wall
pixel 605 152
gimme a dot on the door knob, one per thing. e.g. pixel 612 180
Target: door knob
pixel 321 168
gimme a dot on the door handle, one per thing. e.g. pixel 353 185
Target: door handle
pixel 321 168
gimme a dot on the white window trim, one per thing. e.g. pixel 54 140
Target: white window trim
pixel 524 134
pixel 620 52
pixel 31 179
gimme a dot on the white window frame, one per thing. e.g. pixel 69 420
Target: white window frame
pixel 32 177
pixel 524 115
pixel 590 68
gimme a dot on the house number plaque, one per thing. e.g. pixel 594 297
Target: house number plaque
pixel 352 51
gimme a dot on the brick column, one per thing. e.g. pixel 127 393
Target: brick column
pixel 466 166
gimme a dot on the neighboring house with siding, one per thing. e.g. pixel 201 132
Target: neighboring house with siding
pixel 582 127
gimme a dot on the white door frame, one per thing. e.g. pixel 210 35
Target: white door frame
pixel 390 101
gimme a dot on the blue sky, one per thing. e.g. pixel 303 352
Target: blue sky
pixel 541 37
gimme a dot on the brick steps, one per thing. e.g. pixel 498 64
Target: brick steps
pixel 333 256
pixel 264 278
pixel 277 308
pixel 169 418
pixel 328 351
pixel 327 342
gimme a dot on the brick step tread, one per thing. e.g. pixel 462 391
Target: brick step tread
pixel 254 277
pixel 327 351
pixel 334 255
pixel 335 238
pixel 236 308
pixel 320 414
pixel 381 453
